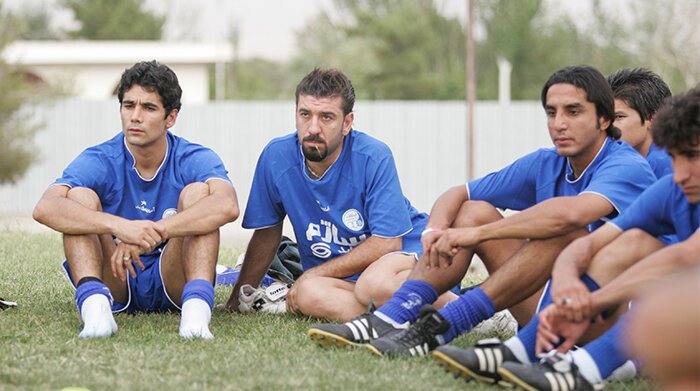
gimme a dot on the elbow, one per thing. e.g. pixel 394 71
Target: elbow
pixel 39 214
pixel 233 214
pixel 572 219
pixel 394 244
pixel 231 211
pixel 687 255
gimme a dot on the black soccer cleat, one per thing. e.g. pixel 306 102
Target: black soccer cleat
pixel 356 332
pixel 480 362
pixel 4 304
pixel 417 340
pixel 554 372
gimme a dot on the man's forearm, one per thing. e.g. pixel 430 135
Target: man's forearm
pixel 553 217
pixel 359 258
pixel 576 258
pixel 69 217
pixel 206 215
pixel 259 255
pixel 447 206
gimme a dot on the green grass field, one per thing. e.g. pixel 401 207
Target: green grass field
pixel 40 349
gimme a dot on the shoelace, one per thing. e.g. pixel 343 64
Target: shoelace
pixel 421 332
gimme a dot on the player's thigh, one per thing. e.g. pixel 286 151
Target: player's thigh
pixel 383 277
pixel 172 270
pixel 621 254
pixel 319 290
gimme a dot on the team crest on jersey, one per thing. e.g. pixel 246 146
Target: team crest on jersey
pixel 353 220
pixel 170 212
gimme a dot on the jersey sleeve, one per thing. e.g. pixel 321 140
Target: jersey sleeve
pixel 201 164
pixel 513 187
pixel 650 211
pixel 89 170
pixel 621 181
pixel 385 205
pixel 264 208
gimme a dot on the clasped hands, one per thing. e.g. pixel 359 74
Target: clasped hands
pixel 136 237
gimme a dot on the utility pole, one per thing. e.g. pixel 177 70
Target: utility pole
pixel 470 88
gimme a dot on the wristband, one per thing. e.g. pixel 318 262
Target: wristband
pixel 429 230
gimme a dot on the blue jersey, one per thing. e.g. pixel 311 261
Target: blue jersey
pixel 660 161
pixel 617 173
pixel 109 169
pixel 662 209
pixel 358 196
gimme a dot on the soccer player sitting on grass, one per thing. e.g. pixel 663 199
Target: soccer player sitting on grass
pixel 562 193
pixel 140 213
pixel 670 206
pixel 358 235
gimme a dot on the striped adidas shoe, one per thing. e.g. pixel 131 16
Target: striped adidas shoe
pixel 555 372
pixel 480 362
pixel 358 331
pixel 417 340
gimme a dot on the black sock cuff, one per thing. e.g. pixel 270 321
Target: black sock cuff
pixel 87 279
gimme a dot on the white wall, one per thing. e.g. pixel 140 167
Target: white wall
pixel 97 82
pixel 427 138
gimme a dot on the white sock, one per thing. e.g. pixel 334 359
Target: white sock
pixel 516 346
pixel 624 372
pixel 586 366
pixel 194 319
pixel 97 317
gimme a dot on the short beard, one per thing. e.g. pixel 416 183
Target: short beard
pixel 315 154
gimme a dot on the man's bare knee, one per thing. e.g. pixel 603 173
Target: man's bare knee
pixel 476 213
pixel 309 297
pixel 375 288
pixel 85 197
pixel 192 193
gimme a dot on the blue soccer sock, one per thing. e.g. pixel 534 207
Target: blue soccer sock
pixel 404 306
pixel 607 351
pixel 199 289
pixel 470 309
pixel 89 286
pixel 528 334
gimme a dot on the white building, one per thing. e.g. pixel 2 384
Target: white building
pixel 91 69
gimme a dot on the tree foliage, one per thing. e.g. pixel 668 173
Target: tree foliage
pixel 394 49
pixel 17 126
pixel 114 19
pixel 35 24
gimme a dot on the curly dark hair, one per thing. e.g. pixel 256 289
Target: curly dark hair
pixel 641 89
pixel 597 89
pixel 153 76
pixel 677 123
pixel 324 83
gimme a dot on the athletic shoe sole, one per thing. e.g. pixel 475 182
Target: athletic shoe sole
pixel 374 350
pixel 330 340
pixel 510 377
pixel 460 371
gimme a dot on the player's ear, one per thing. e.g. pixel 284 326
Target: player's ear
pixel 347 123
pixel 171 118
